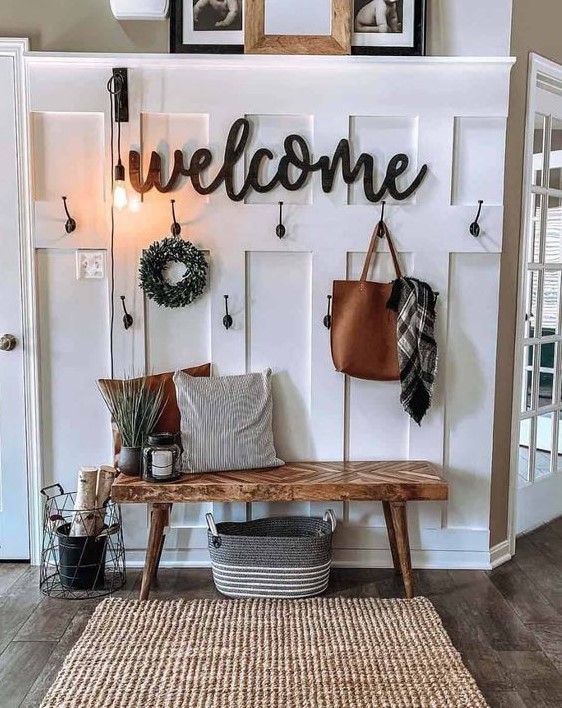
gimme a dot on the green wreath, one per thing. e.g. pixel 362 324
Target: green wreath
pixel 153 263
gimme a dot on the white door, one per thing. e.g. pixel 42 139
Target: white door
pixel 14 531
pixel 539 435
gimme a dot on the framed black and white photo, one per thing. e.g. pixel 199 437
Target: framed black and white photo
pixel 207 26
pixel 391 27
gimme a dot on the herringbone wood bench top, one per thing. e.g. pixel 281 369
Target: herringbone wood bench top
pixel 305 481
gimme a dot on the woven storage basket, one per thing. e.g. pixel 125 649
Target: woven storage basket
pixel 276 557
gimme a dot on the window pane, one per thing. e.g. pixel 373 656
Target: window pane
pixel 553 241
pixel 550 302
pixel 535 233
pixel 546 378
pixel 528 366
pixel 555 179
pixel 524 446
pixel 538 150
pixel 544 445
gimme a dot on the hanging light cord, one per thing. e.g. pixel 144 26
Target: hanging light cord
pixel 114 86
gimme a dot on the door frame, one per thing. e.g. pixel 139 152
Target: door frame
pixel 17 49
pixel 538 66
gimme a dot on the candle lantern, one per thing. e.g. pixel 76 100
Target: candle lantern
pixel 161 458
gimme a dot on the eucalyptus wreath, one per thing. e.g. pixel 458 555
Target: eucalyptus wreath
pixel 152 267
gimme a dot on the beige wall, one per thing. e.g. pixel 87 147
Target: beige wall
pixel 78 26
pixel 536 28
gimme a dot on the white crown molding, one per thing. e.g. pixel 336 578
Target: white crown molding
pixel 234 61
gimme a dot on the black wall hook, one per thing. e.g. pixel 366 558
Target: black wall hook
pixel 127 318
pixel 381 220
pixel 328 317
pixel 70 225
pixel 475 226
pixel 227 319
pixel 175 228
pixel 280 230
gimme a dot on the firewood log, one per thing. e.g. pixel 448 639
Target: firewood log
pixel 106 475
pixel 84 522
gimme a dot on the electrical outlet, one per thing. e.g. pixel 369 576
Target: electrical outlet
pixel 90 265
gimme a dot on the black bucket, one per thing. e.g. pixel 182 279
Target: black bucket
pixel 81 560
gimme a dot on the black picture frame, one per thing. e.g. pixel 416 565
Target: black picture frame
pixel 177 44
pixel 418 47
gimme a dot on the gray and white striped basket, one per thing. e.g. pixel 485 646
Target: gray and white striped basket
pixel 287 557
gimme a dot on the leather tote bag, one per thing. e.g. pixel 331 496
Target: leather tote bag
pixel 363 331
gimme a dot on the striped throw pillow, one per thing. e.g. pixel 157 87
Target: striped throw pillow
pixel 226 422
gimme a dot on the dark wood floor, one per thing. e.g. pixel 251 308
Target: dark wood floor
pixel 507 623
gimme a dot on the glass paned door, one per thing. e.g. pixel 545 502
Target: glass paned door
pixel 541 402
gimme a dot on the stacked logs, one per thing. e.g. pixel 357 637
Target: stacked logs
pixel 93 492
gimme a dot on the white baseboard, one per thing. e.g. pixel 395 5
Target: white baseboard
pixel 500 553
pixel 343 558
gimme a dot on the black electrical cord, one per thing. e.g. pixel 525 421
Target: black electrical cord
pixel 114 89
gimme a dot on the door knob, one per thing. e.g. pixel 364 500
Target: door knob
pixel 7 342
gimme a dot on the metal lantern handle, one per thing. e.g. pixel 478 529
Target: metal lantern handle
pixel 331 517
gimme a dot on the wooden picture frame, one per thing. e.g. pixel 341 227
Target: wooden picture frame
pixel 256 41
pixel 409 41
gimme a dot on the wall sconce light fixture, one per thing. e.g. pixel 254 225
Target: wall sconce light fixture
pixel 119 91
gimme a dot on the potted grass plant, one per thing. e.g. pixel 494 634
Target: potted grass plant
pixel 135 408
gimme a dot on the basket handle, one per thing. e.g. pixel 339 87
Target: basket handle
pixel 331 517
pixel 51 486
pixel 213 529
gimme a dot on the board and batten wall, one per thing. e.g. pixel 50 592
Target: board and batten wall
pixel 450 114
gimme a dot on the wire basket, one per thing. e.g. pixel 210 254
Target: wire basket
pixel 77 567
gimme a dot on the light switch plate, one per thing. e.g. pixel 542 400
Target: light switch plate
pixel 90 265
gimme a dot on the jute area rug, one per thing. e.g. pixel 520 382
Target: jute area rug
pixel 318 653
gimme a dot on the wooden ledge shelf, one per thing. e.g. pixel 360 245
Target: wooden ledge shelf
pixel 392 483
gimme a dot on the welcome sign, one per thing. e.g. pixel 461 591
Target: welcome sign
pixel 294 168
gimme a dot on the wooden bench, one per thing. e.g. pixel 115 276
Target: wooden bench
pixel 392 483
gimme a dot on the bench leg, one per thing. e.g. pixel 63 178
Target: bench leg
pixel 391 536
pixel 400 523
pixel 159 519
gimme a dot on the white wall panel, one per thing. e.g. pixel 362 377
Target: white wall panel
pixel 383 137
pixel 278 287
pixel 470 381
pixel 178 337
pixel 68 152
pixel 165 133
pixel 74 347
pixel 478 160
pixel 271 130
pixel 377 427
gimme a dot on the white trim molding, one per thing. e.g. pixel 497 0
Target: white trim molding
pixel 17 49
pixel 500 554
pixel 542 73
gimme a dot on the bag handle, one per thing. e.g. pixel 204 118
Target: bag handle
pixel 380 230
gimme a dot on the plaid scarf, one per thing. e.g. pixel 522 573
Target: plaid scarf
pixel 414 303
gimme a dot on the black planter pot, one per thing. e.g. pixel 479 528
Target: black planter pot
pixel 81 560
pixel 130 459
